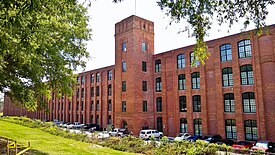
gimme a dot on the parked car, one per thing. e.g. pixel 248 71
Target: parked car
pixel 121 132
pixel 60 124
pixel 90 125
pixel 65 125
pixel 75 125
pixel 147 134
pixel 114 132
pixel 266 146
pixel 102 135
pixel 229 142
pixel 242 145
pixel 70 126
pixel 193 138
pixel 56 122
pixel 182 136
pixel 213 139
pixel 95 127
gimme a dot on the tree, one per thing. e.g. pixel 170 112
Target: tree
pixel 41 43
pixel 199 15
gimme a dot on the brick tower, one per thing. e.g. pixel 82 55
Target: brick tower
pixel 134 49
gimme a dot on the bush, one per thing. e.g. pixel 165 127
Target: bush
pixel 48 127
pixel 130 143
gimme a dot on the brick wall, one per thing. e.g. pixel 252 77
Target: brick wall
pixel 133 31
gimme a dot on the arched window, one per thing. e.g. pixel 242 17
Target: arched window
pixel 249 103
pixel 124 47
pixel 197 127
pixel 109 105
pixel 247 75
pixel 109 90
pixel 109 119
pixel 97 77
pixel 123 107
pixel 183 125
pixel 159 104
pixel 123 86
pixel 92 92
pixel 144 46
pixel 158 84
pixel 124 66
pixel 226 52
pixel 251 130
pixel 227 77
pixel 181 61
pixel 97 105
pixel 244 48
pixel 196 103
pixel 97 91
pixel 230 129
pixel 97 119
pixel 92 78
pixel 195 80
pixel 109 75
pixel 82 80
pixel 192 58
pixel 92 105
pixel 157 65
pixel 229 102
pixel 181 82
pixel 159 124
pixel 182 104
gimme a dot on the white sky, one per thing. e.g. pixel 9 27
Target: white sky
pixel 104 14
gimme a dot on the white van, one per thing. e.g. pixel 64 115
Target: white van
pixel 147 134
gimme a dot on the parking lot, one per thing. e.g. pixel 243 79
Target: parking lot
pixel 147 135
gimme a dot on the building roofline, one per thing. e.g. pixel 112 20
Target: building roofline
pixel 94 70
pixel 189 46
pixel 212 40
pixel 133 16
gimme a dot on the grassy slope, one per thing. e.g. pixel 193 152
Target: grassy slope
pixel 50 144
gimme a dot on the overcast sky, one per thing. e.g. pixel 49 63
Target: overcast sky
pixel 104 14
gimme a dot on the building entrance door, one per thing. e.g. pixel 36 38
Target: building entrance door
pixel 124 124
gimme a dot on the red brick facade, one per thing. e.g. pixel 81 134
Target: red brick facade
pixel 241 67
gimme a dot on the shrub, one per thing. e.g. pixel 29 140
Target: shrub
pixel 130 143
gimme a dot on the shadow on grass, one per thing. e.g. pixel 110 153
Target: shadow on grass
pixel 36 152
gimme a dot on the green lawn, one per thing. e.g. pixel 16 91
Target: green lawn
pixel 50 144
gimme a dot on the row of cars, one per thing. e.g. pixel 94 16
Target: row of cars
pixel 265 146
pixel 76 125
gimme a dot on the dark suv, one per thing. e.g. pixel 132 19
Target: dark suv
pixel 212 139
pixel 92 127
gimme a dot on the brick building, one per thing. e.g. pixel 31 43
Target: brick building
pixel 233 94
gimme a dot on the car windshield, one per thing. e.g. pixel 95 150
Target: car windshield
pixel 142 132
pixel 261 144
pixel 179 135
pixel 207 138
pixel 121 130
